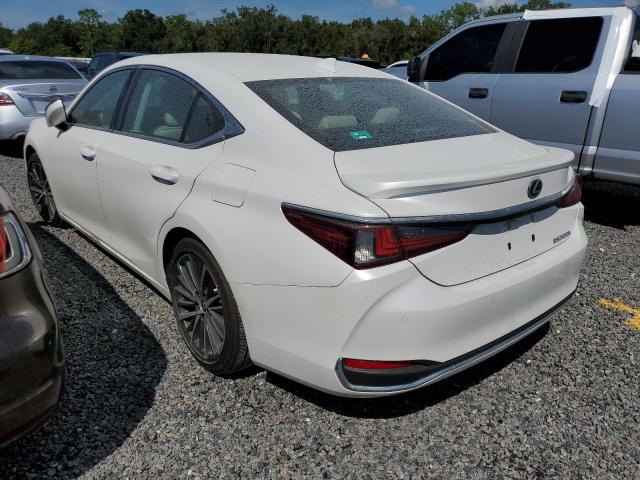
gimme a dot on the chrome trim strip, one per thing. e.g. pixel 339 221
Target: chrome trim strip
pixel 337 216
pixel 492 215
pixel 479 217
pixel 457 367
pixel 23 243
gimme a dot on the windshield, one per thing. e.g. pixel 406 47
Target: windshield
pixel 355 113
pixel 36 70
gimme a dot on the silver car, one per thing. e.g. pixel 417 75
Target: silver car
pixel 27 85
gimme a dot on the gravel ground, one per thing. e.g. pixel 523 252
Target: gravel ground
pixel 562 403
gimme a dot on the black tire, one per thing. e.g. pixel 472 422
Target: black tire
pixel 195 280
pixel 41 192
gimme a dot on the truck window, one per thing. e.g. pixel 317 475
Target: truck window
pixel 633 63
pixel 564 45
pixel 471 51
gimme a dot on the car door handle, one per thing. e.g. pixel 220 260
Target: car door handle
pixel 165 175
pixel 88 153
pixel 573 96
pixel 478 92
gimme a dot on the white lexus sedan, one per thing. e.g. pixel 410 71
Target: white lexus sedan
pixel 323 220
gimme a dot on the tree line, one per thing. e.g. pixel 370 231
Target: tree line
pixel 247 29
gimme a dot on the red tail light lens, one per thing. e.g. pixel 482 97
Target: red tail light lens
pixel 5 100
pixel 573 196
pixel 15 253
pixel 365 245
pixel 416 240
pixel 374 364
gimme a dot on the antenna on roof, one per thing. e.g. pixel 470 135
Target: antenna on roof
pixel 328 64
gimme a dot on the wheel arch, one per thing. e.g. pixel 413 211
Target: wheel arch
pixel 28 151
pixel 171 239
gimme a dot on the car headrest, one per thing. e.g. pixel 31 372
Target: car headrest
pixel 338 121
pixel 170 120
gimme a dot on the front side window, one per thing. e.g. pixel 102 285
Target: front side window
pixel 97 107
pixel 471 51
pixel 355 113
pixel 562 45
pixel 37 70
pixel 159 106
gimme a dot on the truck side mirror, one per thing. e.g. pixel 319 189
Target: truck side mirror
pixel 56 114
pixel 414 69
pixel 635 49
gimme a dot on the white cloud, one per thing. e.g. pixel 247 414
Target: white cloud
pixel 498 3
pixel 632 3
pixel 403 10
pixel 385 4
pixel 407 10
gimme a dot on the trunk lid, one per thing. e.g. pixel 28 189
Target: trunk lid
pixel 32 98
pixel 478 179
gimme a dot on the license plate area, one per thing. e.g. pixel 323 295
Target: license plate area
pixel 493 247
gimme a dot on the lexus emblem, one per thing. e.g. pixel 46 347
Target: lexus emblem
pixel 535 187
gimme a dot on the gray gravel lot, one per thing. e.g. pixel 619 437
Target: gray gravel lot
pixel 563 403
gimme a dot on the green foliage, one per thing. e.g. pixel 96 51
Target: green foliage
pixel 248 29
pixel 6 35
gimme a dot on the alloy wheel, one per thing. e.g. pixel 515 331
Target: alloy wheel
pixel 199 307
pixel 41 192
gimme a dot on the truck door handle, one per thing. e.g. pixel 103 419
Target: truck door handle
pixel 88 153
pixel 573 96
pixel 478 92
pixel 165 175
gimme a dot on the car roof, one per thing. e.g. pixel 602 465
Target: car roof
pixel 13 58
pixel 552 13
pixel 247 67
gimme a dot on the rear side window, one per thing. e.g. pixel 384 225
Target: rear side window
pixel 563 45
pixel 471 51
pixel 356 113
pixel 204 121
pixel 633 63
pixel 97 107
pixel 37 70
pixel 159 106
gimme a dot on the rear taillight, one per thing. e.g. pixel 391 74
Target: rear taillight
pixel 573 196
pixel 5 100
pixel 374 364
pixel 14 247
pixel 366 245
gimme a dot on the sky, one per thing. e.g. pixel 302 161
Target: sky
pixel 16 14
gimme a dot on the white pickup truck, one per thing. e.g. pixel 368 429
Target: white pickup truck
pixel 566 78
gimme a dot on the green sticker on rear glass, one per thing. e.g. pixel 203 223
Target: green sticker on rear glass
pixel 361 135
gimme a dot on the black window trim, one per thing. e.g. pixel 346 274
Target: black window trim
pixel 118 103
pixel 501 51
pixel 232 127
pixel 518 41
pixel 636 24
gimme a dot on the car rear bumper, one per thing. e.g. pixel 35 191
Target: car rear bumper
pixel 428 372
pixel 13 124
pixel 393 313
pixel 32 367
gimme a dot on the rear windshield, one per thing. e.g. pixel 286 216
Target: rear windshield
pixel 36 70
pixel 355 113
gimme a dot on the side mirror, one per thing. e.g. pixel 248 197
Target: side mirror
pixel 635 49
pixel 414 67
pixel 55 114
